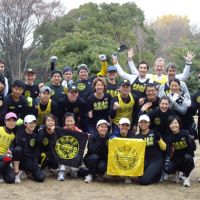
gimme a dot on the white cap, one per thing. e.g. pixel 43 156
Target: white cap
pixel 29 118
pixel 144 118
pixel 124 121
pixel 102 121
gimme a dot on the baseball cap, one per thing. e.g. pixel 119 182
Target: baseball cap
pixel 111 68
pixel 144 118
pixel 45 88
pixel 125 82
pixel 102 121
pixel 72 87
pixel 124 120
pixel 66 69
pixel 10 115
pixel 56 72
pixel 82 66
pixel 2 79
pixel 29 70
pixel 29 118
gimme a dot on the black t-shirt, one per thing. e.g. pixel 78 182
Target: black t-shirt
pixel 78 107
pixel 180 144
pixel 57 92
pixel 28 142
pixel 152 151
pixel 195 108
pixel 159 120
pixel 155 104
pixel 99 146
pixel 138 88
pixel 112 89
pixel 85 88
pixel 47 142
pixel 20 108
pixel 31 91
pixel 99 107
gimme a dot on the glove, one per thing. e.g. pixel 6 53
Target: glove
pixel 102 57
pixel 54 59
pixel 175 97
pixel 29 101
pixel 20 122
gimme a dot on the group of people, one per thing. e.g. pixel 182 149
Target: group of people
pixel 157 108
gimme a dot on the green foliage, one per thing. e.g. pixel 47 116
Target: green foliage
pixel 84 33
pixel 84 47
pixel 176 54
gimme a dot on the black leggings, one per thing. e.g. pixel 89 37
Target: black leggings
pixel 95 165
pixel 184 164
pixel 33 167
pixel 152 171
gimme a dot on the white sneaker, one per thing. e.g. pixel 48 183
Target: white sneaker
pixel 199 180
pixel 128 180
pixel 186 182
pixel 61 175
pixel 17 178
pixel 88 178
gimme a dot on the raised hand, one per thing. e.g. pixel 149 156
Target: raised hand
pixel 189 56
pixel 130 53
pixel 114 59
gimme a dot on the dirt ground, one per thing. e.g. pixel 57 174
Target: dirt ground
pixel 112 189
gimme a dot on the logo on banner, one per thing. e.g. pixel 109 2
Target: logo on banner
pixel 126 157
pixel 67 147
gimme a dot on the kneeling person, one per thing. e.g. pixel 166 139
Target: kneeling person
pixel 27 139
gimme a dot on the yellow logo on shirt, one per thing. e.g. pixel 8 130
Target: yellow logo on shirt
pixel 81 86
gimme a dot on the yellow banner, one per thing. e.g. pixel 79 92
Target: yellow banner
pixel 126 157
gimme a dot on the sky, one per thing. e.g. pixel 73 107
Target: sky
pixel 152 8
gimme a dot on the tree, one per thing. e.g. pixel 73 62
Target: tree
pixel 170 29
pixel 84 47
pixel 18 20
pixel 83 33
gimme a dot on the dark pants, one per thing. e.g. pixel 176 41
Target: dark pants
pixel 5 170
pixel 184 164
pixel 152 171
pixel 48 161
pixel 33 167
pixel 95 165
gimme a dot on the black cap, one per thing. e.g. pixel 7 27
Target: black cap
pixel 125 82
pixel 72 87
pixel 2 79
pixel 29 70
pixel 56 72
